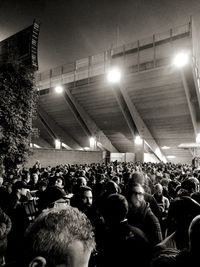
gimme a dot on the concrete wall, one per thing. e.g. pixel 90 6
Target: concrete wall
pixel 120 157
pixel 55 157
pixel 130 157
pixel 123 157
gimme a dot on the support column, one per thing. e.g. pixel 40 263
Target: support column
pixel 139 152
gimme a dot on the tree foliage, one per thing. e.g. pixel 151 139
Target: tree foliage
pixel 17 108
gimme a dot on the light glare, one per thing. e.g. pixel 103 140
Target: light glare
pixel 92 141
pixel 198 138
pixel 171 157
pixel 35 145
pixel 114 75
pixel 181 59
pixel 57 144
pixel 58 89
pixel 138 140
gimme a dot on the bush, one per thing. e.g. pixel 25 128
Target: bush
pixel 17 108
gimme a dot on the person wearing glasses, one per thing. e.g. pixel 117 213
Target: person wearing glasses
pixel 140 214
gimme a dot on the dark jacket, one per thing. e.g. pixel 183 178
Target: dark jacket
pixel 144 219
pixel 153 204
pixel 123 245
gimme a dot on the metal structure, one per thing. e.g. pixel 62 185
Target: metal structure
pixel 22 46
pixel 155 99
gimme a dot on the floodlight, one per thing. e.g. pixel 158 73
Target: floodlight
pixel 171 157
pixel 198 138
pixel 35 145
pixel 58 89
pixel 181 59
pixel 138 140
pixel 92 141
pixel 114 75
pixel 57 144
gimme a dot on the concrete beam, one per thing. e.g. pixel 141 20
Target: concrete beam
pixel 142 129
pixel 41 142
pixel 88 125
pixel 190 86
pixel 117 91
pixel 55 131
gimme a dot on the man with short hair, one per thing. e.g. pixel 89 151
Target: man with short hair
pixel 58 237
pixel 121 244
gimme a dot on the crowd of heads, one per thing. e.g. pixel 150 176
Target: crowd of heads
pixel 66 214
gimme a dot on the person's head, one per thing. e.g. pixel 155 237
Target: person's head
pixel 85 197
pixel 20 188
pixel 164 182
pixel 26 177
pixel 116 209
pixel 181 212
pixel 158 189
pixel 35 178
pixel 60 181
pixel 81 181
pixel 138 177
pixel 55 197
pixel 135 194
pixel 111 188
pixel 196 182
pixel 188 186
pixel 194 234
pixel 42 185
pixel 58 237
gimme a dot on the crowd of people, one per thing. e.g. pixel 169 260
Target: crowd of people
pixel 99 215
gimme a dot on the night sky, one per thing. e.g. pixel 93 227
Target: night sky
pixel 74 29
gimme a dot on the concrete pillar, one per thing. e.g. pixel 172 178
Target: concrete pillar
pixel 139 152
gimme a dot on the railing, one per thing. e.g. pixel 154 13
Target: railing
pixel 145 54
pixel 196 52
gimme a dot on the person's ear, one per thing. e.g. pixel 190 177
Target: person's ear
pixel 38 262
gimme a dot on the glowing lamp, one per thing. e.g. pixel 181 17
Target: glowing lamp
pixel 138 140
pixel 114 75
pixel 58 89
pixel 181 59
pixel 198 138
